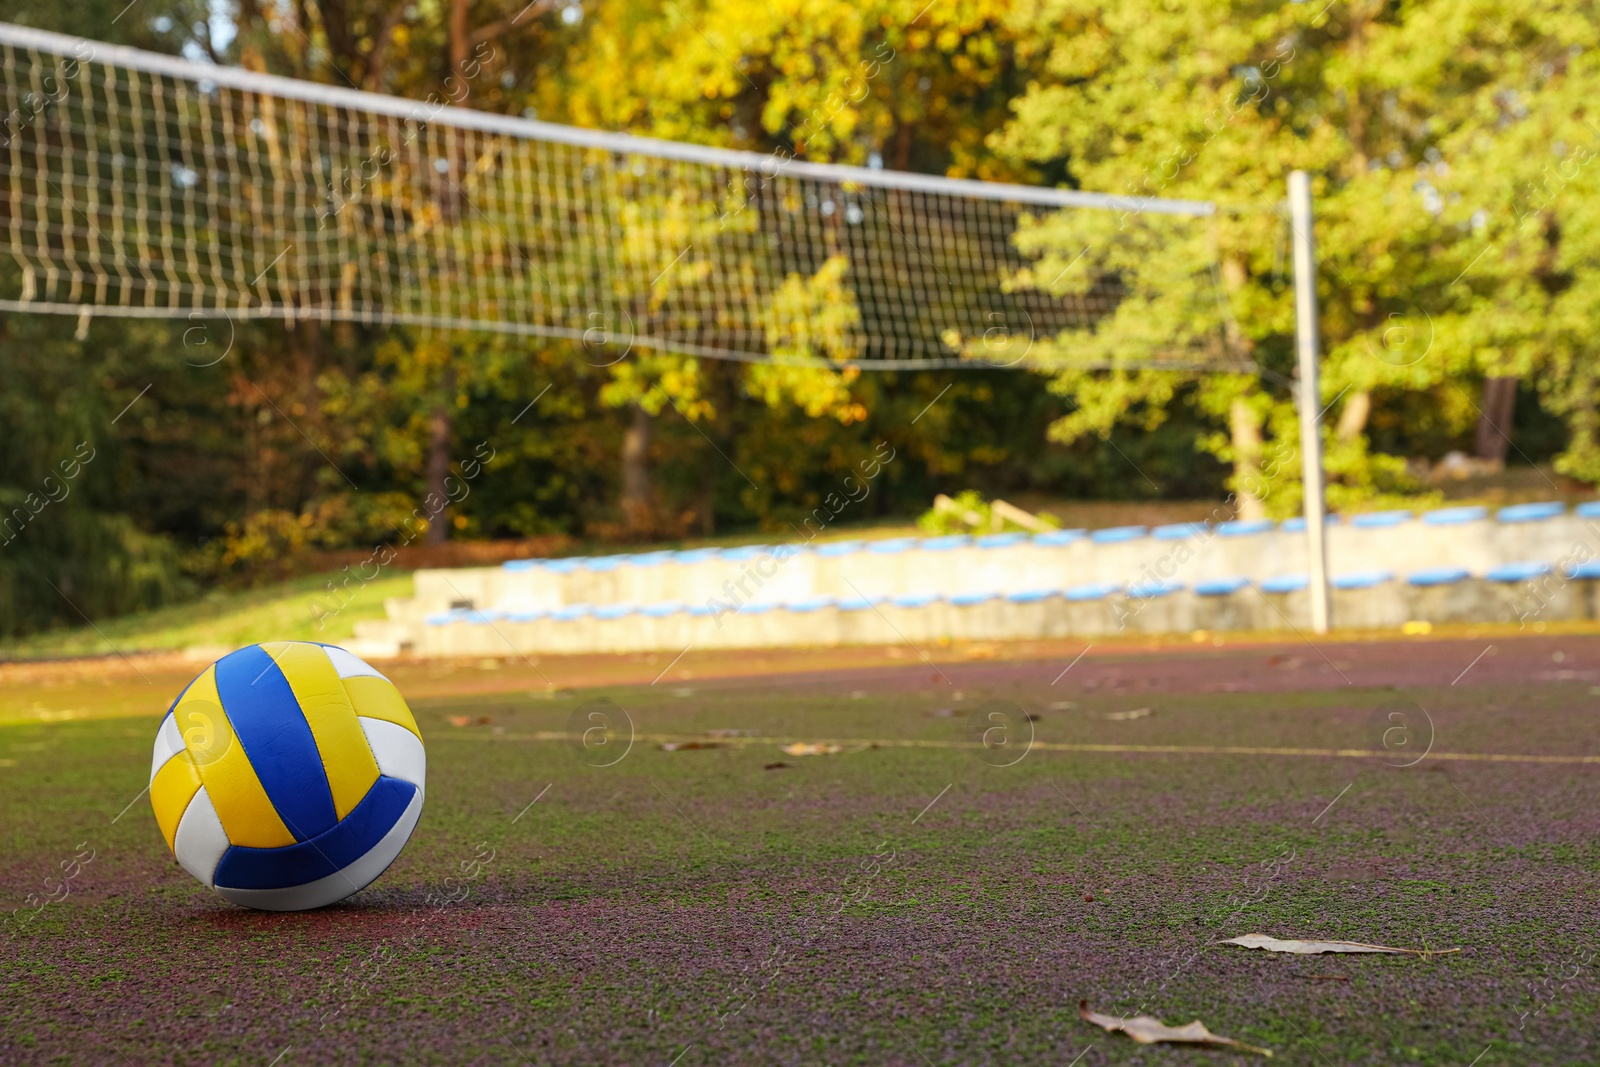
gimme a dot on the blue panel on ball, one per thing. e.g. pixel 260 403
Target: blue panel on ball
pixel 267 720
pixel 353 837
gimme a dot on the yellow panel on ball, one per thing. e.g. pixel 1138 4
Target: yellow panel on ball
pixel 230 778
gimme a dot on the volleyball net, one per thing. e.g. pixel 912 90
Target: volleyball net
pixel 137 184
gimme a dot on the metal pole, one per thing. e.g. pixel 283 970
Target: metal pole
pixel 1306 333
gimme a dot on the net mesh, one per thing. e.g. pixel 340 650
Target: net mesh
pixel 132 184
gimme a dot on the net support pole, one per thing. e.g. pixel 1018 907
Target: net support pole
pixel 1310 395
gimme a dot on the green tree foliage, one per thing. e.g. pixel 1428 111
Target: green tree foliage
pixel 1449 141
pixel 1452 142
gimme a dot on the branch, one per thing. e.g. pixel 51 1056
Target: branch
pixel 531 13
pixel 380 44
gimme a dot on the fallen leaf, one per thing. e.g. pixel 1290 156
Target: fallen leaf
pixel 1124 716
pixel 459 720
pixel 1312 948
pixel 808 748
pixel 1147 1030
pixel 780 765
pixel 683 746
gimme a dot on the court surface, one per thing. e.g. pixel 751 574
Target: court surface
pixel 578 893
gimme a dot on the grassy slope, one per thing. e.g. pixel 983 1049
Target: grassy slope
pixel 283 611
pixel 811 914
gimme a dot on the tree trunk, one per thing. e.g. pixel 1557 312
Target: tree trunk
pixel 460 46
pixel 636 469
pixel 1353 419
pixel 439 433
pixel 1246 429
pixel 1494 419
pixel 706 498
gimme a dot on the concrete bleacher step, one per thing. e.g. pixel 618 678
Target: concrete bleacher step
pixel 1384 565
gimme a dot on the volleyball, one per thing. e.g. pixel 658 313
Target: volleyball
pixel 288 775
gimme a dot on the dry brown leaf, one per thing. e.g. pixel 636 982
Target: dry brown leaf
pixel 683 746
pixel 1124 716
pixel 1312 948
pixel 808 748
pixel 459 720
pixel 1147 1030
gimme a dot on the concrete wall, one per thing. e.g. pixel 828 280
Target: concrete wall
pixel 1384 606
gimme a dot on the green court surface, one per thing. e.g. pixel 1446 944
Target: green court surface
pixel 579 893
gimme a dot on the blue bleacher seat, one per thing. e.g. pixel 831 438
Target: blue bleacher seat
pixel 1243 527
pixel 571 612
pixel 567 564
pixel 1439 576
pixel 1060 537
pixel 856 603
pixel 747 552
pixel 615 611
pixel 1454 516
pixel 1147 590
pixel 1589 509
pixel 1029 596
pixel 840 548
pixel 913 600
pixel 651 559
pixel 1096 591
pixel 892 545
pixel 1178 531
pixel 1378 519
pixel 527 615
pixel 1531 512
pixel 1298 523
pixel 1115 534
pixel 697 555
pixel 1001 540
pixel 814 603
pixel 1284 583
pixel 1518 572
pixel 1588 569
pixel 1361 579
pixel 962 600
pixel 945 543
pixel 1220 586
pixel 663 609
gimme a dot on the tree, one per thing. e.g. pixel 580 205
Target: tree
pixel 1396 111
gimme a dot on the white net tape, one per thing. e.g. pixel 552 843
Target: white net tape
pixel 134 184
